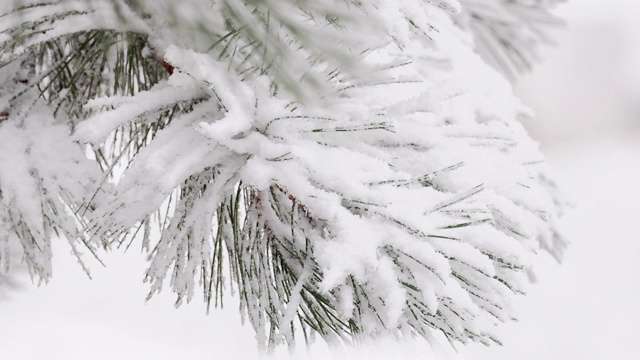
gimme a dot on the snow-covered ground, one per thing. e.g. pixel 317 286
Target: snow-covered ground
pixel 587 97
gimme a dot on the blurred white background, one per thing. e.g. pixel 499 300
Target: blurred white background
pixel 586 93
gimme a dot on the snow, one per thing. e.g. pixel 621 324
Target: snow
pixel 162 95
pixel 585 308
pixel 572 312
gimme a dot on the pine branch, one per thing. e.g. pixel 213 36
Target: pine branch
pixel 509 33
pixel 340 185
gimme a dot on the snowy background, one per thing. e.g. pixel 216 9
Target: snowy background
pixel 587 97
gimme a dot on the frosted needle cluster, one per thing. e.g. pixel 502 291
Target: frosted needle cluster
pixel 347 169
